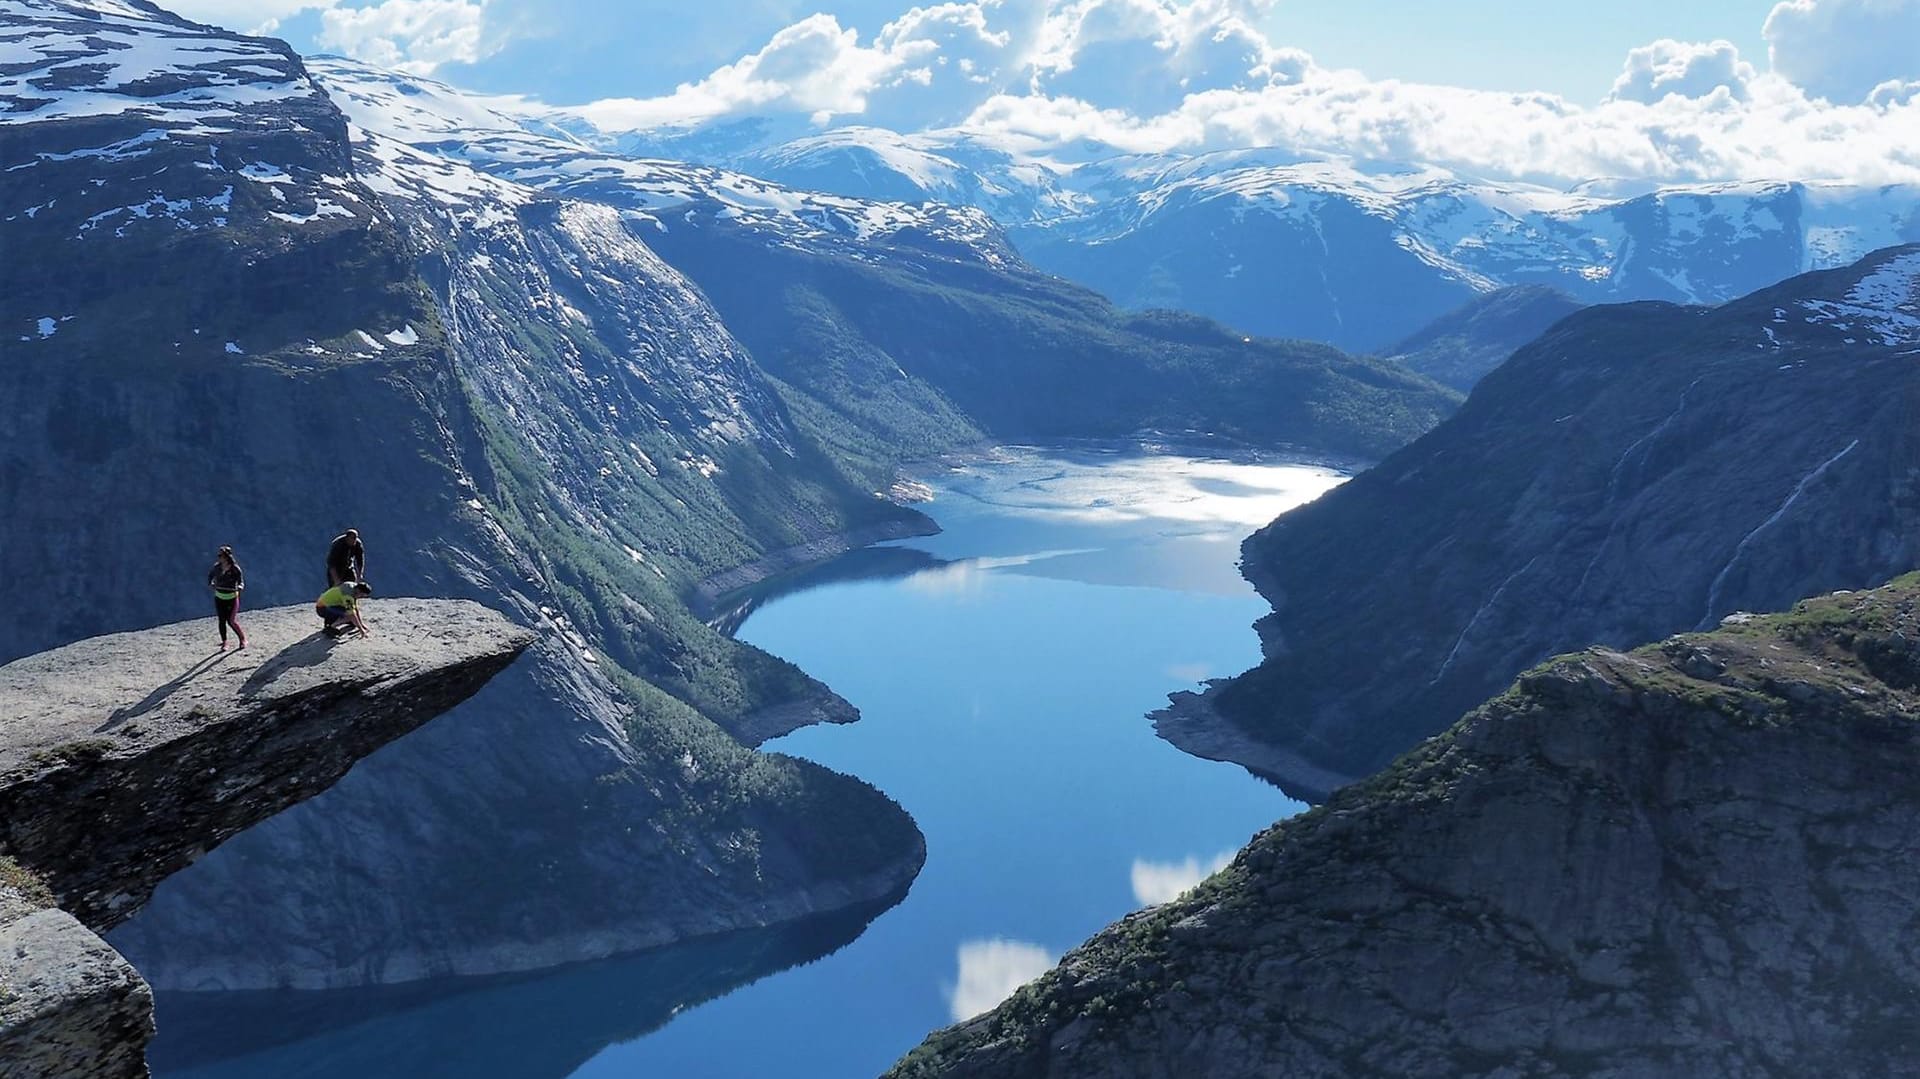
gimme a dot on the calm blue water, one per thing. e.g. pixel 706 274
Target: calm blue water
pixel 1003 671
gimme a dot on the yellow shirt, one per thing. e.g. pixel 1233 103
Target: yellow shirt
pixel 335 597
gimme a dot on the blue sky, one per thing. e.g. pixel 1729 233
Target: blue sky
pixel 1554 92
pixel 573 51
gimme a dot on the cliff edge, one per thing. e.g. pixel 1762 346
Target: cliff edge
pixel 1695 858
pixel 123 758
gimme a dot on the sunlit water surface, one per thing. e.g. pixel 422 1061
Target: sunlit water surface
pixel 1004 669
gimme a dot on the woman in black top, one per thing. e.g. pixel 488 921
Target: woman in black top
pixel 227 582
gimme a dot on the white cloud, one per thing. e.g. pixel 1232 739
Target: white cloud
pixel 1842 49
pixel 1777 133
pixel 1148 55
pixel 1690 69
pixel 246 16
pixel 1164 882
pixel 1894 93
pixel 815 67
pixel 990 970
pixel 1168 75
pixel 415 36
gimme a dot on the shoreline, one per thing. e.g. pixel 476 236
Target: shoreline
pixel 708 596
pixel 1191 724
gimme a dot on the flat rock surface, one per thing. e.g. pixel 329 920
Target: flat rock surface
pixel 124 758
pixel 124 694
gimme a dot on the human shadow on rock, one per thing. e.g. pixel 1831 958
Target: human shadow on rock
pixel 307 652
pixel 539 1026
pixel 160 693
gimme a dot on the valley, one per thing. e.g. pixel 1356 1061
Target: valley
pixel 877 501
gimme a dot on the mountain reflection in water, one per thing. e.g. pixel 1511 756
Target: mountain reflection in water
pixel 539 1026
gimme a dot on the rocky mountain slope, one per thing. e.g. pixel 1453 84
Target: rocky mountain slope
pixel 1639 470
pixel 1358 254
pixel 1459 348
pixel 913 327
pixel 220 331
pixel 111 779
pixel 1690 859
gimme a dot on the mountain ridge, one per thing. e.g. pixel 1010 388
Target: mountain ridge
pixel 1640 470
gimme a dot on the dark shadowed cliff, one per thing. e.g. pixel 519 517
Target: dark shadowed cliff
pixel 1637 471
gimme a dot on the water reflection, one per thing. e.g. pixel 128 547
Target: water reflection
pixel 540 1026
pixel 990 970
pixel 864 564
pixel 1163 882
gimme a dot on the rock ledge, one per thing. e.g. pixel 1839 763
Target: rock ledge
pixel 123 758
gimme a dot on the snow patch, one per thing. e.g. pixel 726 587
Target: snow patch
pixel 233 349
pixel 321 208
pixel 1885 305
pixel 404 336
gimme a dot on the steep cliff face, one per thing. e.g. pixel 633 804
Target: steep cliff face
pixel 1691 859
pixel 227 330
pixel 1639 470
pixel 124 758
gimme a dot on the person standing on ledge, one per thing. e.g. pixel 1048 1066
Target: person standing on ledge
pixel 346 558
pixel 227 582
pixel 339 608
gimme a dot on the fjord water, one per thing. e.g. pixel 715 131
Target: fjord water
pixel 1003 669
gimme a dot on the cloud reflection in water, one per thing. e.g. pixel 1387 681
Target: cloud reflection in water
pixel 1163 882
pixel 990 970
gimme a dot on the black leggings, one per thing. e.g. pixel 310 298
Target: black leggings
pixel 224 609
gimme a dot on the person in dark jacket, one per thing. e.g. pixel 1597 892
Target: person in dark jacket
pixel 346 559
pixel 227 582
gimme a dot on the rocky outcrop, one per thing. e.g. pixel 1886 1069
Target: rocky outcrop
pixel 1696 858
pixel 124 758
pixel 1638 471
pixel 69 1004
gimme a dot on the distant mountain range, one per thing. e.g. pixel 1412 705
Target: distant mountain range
pixel 1358 254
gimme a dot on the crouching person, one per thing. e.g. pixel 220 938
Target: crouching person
pixel 339 608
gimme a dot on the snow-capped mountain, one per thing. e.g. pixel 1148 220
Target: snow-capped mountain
pixel 962 170
pixel 1355 253
pixel 905 317
pixel 533 151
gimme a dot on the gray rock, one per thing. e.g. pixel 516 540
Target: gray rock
pixel 124 758
pixel 70 1006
